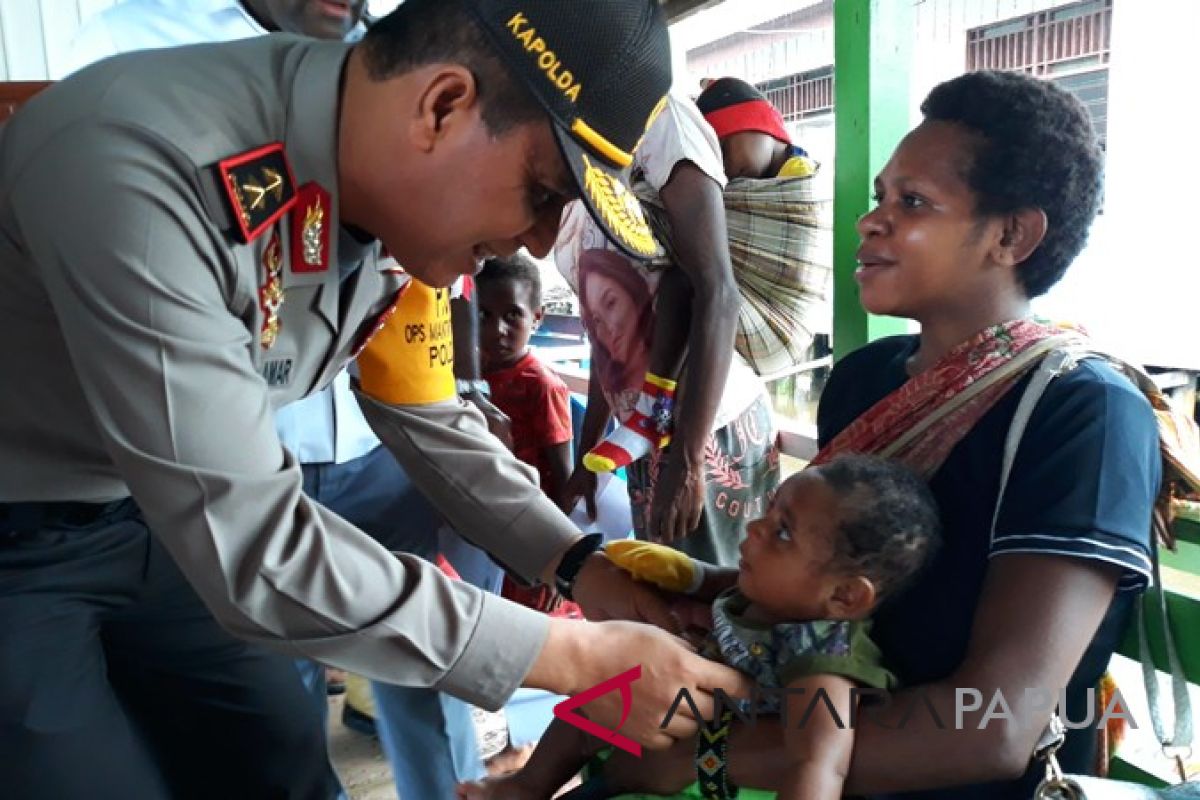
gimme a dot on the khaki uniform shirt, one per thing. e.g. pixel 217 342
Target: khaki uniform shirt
pixel 133 363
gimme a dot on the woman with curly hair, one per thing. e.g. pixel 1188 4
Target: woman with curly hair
pixel 982 207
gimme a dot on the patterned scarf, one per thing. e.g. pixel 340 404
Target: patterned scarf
pixel 921 422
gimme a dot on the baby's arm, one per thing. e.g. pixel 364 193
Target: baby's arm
pixel 818 737
pixel 670 569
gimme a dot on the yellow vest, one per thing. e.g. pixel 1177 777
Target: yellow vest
pixel 411 361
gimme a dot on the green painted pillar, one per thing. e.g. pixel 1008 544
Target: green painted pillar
pixel 872 51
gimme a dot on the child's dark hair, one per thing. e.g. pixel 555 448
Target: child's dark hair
pixel 518 268
pixel 421 32
pixel 889 525
pixel 1037 150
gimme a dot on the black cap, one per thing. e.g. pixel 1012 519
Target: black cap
pixel 725 92
pixel 601 69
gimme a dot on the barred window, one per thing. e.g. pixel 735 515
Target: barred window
pixel 1069 45
pixel 801 95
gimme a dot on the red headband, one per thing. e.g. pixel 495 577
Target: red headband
pixel 752 115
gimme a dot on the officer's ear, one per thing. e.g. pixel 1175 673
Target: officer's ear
pixel 447 97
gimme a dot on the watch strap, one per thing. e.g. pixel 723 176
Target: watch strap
pixel 572 562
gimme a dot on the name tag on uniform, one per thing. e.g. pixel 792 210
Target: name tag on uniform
pixel 277 371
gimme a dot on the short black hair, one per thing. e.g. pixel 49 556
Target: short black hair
pixel 518 268
pixel 1037 149
pixel 421 32
pixel 888 521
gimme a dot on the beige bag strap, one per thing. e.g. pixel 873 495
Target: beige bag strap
pixel 1056 363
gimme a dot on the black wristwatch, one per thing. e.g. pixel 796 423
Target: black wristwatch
pixel 572 562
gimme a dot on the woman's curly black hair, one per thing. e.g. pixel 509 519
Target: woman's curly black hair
pixel 888 521
pixel 1037 150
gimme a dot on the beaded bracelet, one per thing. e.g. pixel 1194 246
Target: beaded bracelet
pixel 712 769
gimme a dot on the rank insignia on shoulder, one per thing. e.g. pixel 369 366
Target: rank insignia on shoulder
pixel 260 188
pixel 310 229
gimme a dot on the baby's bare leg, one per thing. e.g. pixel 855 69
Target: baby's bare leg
pixel 655 772
pixel 756 756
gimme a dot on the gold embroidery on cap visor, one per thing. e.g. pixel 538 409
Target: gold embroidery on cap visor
pixel 601 145
pixel 618 208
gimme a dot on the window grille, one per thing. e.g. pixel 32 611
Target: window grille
pixel 802 95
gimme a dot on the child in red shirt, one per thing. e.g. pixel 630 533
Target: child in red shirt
pixel 534 398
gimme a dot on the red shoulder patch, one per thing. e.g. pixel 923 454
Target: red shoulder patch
pixel 260 188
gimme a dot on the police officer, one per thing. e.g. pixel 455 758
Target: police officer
pixel 190 238
pixel 428 736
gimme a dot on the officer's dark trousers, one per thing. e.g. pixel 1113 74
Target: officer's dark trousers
pixel 116 682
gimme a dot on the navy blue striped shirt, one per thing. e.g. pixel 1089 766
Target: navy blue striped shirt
pixel 1082 485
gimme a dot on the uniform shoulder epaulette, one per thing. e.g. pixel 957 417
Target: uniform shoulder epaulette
pixel 259 188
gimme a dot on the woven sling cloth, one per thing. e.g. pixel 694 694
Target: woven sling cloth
pixel 781 245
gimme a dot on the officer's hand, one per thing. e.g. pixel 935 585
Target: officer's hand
pixel 694 616
pixel 499 425
pixel 678 501
pixel 582 483
pixel 667 666
pixel 605 591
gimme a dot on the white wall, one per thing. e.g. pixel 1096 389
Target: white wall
pixel 35 35
pixel 802 50
pixel 1138 284
pixel 940 37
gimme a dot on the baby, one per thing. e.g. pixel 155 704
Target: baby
pixel 837 540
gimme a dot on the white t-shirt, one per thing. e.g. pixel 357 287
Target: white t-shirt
pixel 146 24
pixel 616 296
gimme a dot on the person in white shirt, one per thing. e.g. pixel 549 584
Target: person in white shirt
pixel 144 24
pixel 722 464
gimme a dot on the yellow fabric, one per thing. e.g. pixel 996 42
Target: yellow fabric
pixel 358 695
pixel 797 167
pixel 411 361
pixel 663 566
pixel 598 464
pixel 660 382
